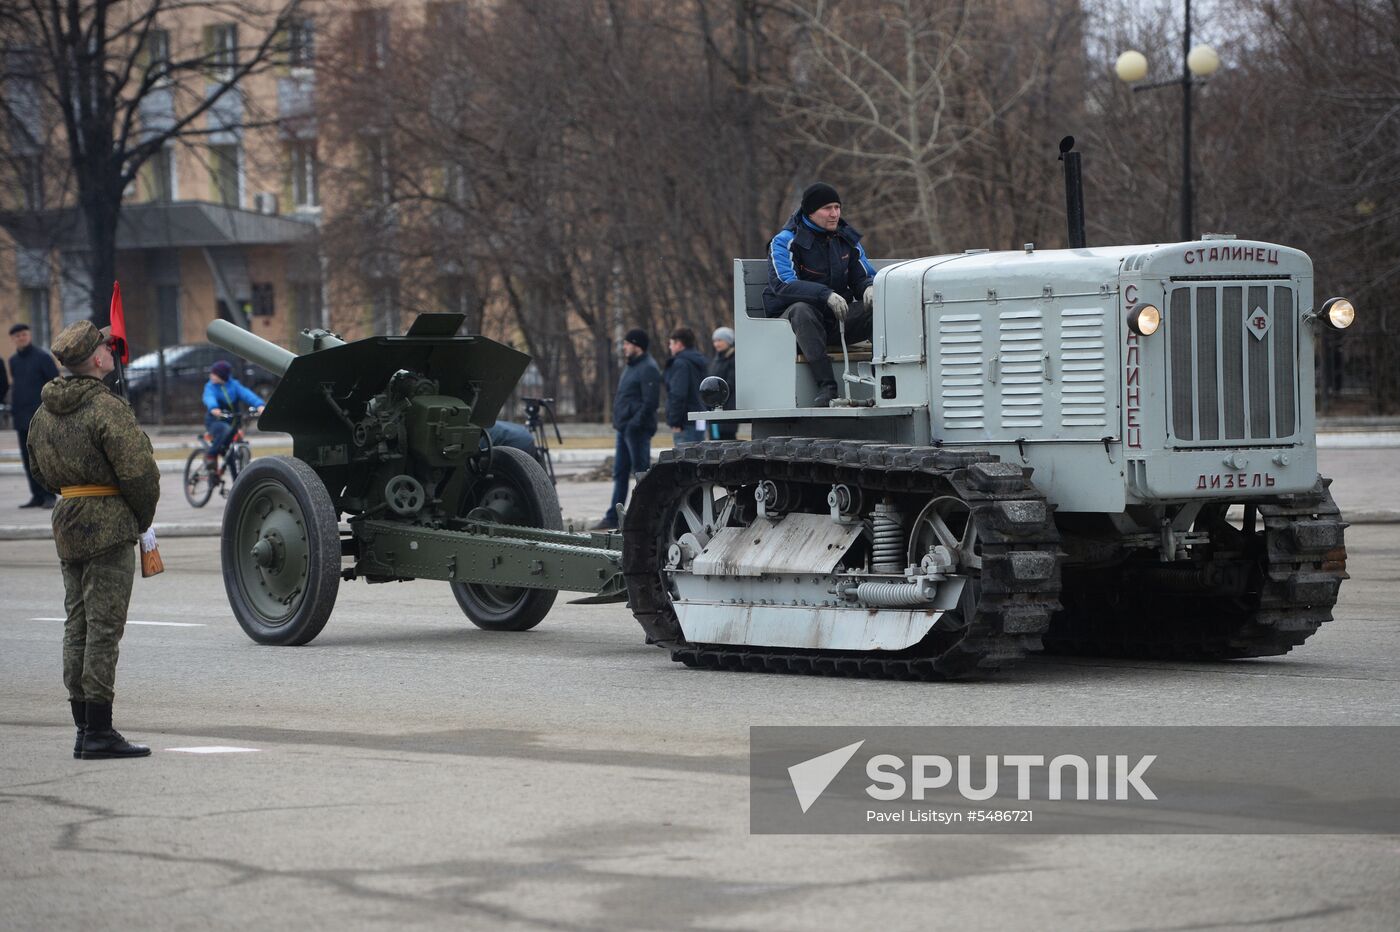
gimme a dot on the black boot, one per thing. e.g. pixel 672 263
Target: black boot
pixel 102 741
pixel 826 394
pixel 80 719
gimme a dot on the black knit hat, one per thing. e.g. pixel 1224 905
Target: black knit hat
pixel 638 337
pixel 817 196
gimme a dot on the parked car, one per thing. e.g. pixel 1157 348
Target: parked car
pixel 186 371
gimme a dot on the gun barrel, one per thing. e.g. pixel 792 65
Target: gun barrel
pixel 250 346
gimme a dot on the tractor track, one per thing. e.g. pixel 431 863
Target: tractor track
pixel 1295 568
pixel 1018 590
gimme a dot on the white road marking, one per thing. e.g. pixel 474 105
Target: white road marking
pixel 158 624
pixel 216 749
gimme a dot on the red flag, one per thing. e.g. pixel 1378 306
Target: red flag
pixel 119 324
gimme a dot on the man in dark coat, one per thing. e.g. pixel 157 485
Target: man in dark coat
pixel 84 442
pixel 634 418
pixel 818 274
pixel 685 370
pixel 30 368
pixel 723 366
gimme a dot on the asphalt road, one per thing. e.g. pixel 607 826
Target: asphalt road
pixel 408 769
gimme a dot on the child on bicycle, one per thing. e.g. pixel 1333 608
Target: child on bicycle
pixel 222 395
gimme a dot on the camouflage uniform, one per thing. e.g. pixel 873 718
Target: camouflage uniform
pixel 83 434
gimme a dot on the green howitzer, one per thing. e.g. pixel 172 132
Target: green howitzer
pixel 388 433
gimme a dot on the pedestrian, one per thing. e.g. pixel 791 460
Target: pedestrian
pixel 818 278
pixel 685 370
pixel 634 418
pixel 84 442
pixel 723 366
pixel 31 367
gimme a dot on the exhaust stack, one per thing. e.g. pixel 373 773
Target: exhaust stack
pixel 1074 193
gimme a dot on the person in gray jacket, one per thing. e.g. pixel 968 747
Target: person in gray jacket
pixel 634 418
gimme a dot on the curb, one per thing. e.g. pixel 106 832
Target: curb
pixel 214 529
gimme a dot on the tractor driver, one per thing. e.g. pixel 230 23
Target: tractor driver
pixel 818 274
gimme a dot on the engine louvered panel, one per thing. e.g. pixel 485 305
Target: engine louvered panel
pixel 1232 363
pixel 1021 351
pixel 1084 398
pixel 960 366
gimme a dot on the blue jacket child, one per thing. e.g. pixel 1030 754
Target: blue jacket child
pixel 223 393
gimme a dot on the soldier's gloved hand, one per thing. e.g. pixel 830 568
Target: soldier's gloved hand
pixel 869 296
pixel 838 306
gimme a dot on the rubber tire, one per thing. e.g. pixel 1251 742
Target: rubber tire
pixel 522 472
pixel 323 542
pixel 196 461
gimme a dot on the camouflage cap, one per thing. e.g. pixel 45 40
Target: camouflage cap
pixel 78 341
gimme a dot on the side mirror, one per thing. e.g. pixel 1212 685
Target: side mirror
pixel 714 392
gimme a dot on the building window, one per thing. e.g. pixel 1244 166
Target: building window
pixel 305 192
pixel 168 314
pixel 301 44
pixel 164 185
pixel 385 308
pixel 306 305
pixel 224 168
pixel 371 30
pixel 35 302
pixel 221 46
pixel 158 55
pixel 378 174
pixel 31 178
pixel 447 16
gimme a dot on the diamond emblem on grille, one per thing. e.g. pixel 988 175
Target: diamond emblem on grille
pixel 1258 323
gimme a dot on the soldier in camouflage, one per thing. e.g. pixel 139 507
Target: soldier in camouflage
pixel 84 444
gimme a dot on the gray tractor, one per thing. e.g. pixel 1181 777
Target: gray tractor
pixel 1104 450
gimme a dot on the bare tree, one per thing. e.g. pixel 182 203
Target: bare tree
pixel 95 69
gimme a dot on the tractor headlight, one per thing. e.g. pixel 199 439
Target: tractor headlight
pixel 1144 319
pixel 1339 313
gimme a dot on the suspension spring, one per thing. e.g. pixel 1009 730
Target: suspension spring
pixel 894 595
pixel 888 553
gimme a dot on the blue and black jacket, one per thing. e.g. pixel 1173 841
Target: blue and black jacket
pixel 806 263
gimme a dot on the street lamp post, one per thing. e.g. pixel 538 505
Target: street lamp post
pixel 1197 63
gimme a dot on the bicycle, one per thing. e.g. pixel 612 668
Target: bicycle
pixel 536 425
pixel 200 480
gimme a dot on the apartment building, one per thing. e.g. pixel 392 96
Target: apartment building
pixel 222 223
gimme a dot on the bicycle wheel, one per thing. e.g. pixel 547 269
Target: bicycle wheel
pixel 239 455
pixel 199 484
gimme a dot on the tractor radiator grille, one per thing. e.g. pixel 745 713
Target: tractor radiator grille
pixel 1232 363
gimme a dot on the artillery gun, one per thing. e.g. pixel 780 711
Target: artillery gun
pixel 388 431
pixel 1104 450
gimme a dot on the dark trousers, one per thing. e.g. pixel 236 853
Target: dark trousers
pixel 219 430
pixel 633 455
pixel 96 592
pixel 816 328
pixel 36 491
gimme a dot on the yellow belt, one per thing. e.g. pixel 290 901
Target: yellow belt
pixel 88 491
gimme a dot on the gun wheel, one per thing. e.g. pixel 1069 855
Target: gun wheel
pixel 515 491
pixel 281 552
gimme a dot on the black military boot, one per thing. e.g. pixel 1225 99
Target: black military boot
pixel 826 394
pixel 80 719
pixel 101 741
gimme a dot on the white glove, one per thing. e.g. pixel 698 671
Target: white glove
pixel 838 305
pixel 148 540
pixel 869 296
